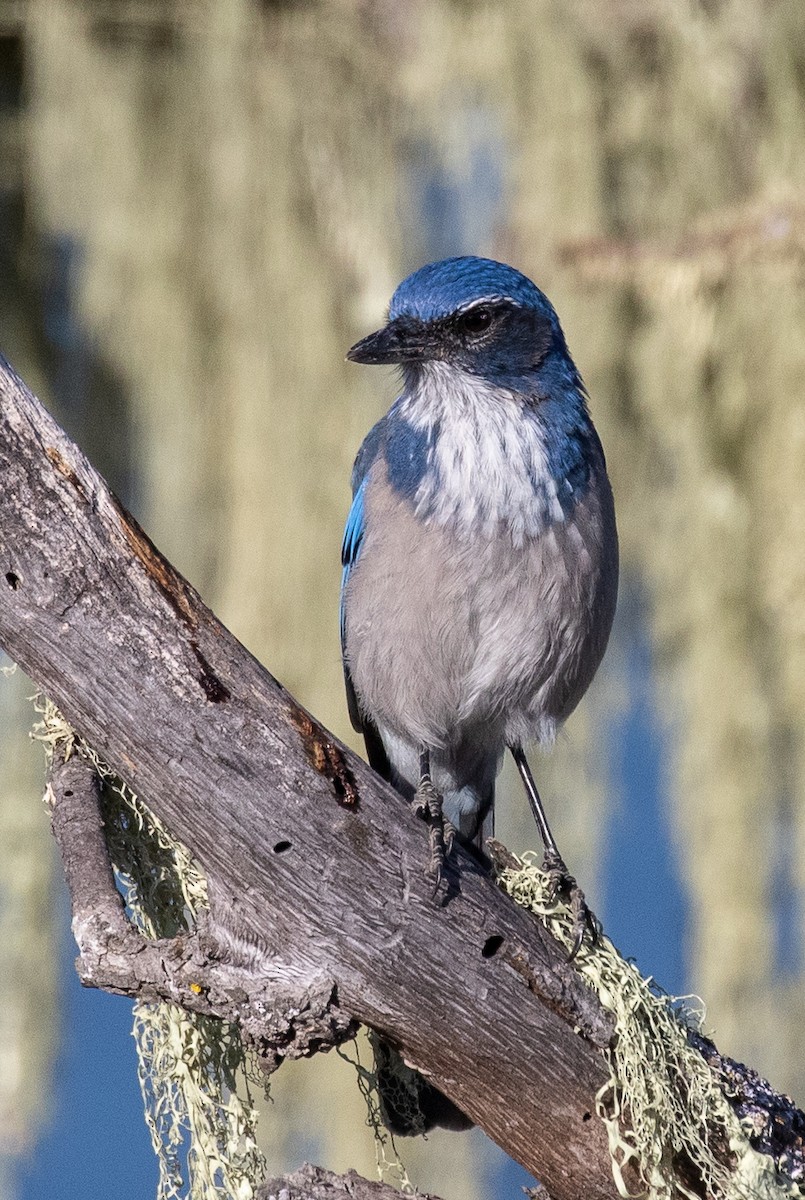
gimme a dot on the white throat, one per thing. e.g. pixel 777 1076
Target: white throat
pixel 488 469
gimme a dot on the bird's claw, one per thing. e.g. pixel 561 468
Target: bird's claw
pixel 442 836
pixel 427 803
pixel 561 881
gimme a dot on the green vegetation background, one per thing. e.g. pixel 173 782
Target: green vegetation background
pixel 203 204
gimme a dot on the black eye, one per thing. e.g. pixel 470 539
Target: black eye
pixel 476 320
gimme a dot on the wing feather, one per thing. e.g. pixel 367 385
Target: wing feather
pixel 350 552
pixel 350 549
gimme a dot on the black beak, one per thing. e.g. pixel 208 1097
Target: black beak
pixel 401 341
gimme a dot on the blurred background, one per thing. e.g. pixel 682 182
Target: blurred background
pixel 202 205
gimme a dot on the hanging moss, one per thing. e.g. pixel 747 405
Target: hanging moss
pixel 191 1067
pixel 662 1105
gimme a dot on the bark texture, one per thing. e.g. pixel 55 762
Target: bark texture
pixel 314 1183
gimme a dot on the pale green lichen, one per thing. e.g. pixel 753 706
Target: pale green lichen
pixel 191 1067
pixel 662 1102
pixel 390 1167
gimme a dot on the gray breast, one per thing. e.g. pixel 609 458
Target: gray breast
pixel 452 635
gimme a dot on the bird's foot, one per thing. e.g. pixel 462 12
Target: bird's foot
pixel 561 881
pixel 427 803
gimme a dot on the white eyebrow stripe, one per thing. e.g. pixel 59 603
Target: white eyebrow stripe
pixel 497 298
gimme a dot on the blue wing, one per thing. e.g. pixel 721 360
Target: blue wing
pixel 351 548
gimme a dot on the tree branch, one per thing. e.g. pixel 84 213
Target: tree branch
pixel 321 914
pixel 314 1183
pixel 186 970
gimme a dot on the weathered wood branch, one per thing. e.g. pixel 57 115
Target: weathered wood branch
pixel 115 956
pixel 321 916
pixel 187 970
pixel 314 1183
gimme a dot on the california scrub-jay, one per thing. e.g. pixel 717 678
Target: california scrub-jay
pixel 480 553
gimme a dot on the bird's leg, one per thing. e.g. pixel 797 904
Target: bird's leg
pixel 553 863
pixel 427 803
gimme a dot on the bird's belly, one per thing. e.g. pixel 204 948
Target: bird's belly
pixel 451 639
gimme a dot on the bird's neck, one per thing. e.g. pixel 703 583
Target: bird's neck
pixel 488 459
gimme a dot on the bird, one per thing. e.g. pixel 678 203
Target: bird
pixel 479 558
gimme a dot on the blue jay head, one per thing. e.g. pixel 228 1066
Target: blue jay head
pixel 480 316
